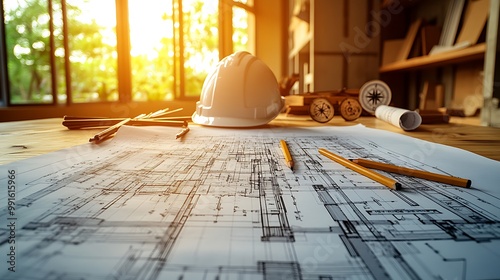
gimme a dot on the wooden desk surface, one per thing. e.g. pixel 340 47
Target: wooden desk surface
pixel 24 139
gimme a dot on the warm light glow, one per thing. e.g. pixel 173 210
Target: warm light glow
pixel 167 62
pixel 101 12
pixel 149 23
pixel 203 62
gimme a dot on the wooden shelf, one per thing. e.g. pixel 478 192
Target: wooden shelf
pixel 475 52
pixel 403 3
pixel 316 51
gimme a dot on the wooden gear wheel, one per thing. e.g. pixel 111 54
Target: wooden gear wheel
pixel 321 110
pixel 350 109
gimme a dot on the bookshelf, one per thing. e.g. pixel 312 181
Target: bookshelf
pixel 324 49
pixel 461 26
pixel 437 60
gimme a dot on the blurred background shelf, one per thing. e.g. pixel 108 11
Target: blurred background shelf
pixel 437 60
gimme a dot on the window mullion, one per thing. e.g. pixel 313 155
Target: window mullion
pixel 53 70
pixel 182 72
pixel 123 49
pixel 4 77
pixel 225 29
pixel 67 62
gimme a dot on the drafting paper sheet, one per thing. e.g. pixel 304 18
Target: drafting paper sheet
pixel 222 204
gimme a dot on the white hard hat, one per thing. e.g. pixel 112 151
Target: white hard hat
pixel 240 92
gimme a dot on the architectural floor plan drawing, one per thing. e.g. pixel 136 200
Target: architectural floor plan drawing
pixel 222 204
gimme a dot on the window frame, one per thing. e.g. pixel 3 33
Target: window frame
pixel 123 64
pixel 4 78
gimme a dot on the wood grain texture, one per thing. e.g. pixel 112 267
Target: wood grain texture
pixel 25 139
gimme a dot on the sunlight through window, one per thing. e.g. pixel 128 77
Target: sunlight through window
pixel 173 46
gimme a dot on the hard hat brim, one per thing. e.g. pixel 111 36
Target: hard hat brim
pixel 229 122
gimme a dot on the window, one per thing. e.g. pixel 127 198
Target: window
pixel 27 28
pixel 243 29
pixel 82 51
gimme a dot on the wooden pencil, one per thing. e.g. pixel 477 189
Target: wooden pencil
pixel 108 131
pixel 455 181
pixel 388 182
pixel 286 153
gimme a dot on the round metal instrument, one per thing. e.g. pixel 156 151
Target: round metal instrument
pixel 373 94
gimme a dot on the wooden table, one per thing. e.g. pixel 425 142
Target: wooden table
pixel 24 139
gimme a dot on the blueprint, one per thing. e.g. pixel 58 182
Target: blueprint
pixel 222 204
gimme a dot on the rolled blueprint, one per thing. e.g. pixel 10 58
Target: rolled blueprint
pixel 405 119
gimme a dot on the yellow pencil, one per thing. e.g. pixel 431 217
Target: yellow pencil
pixel 460 182
pixel 182 133
pixel 286 152
pixel 388 182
